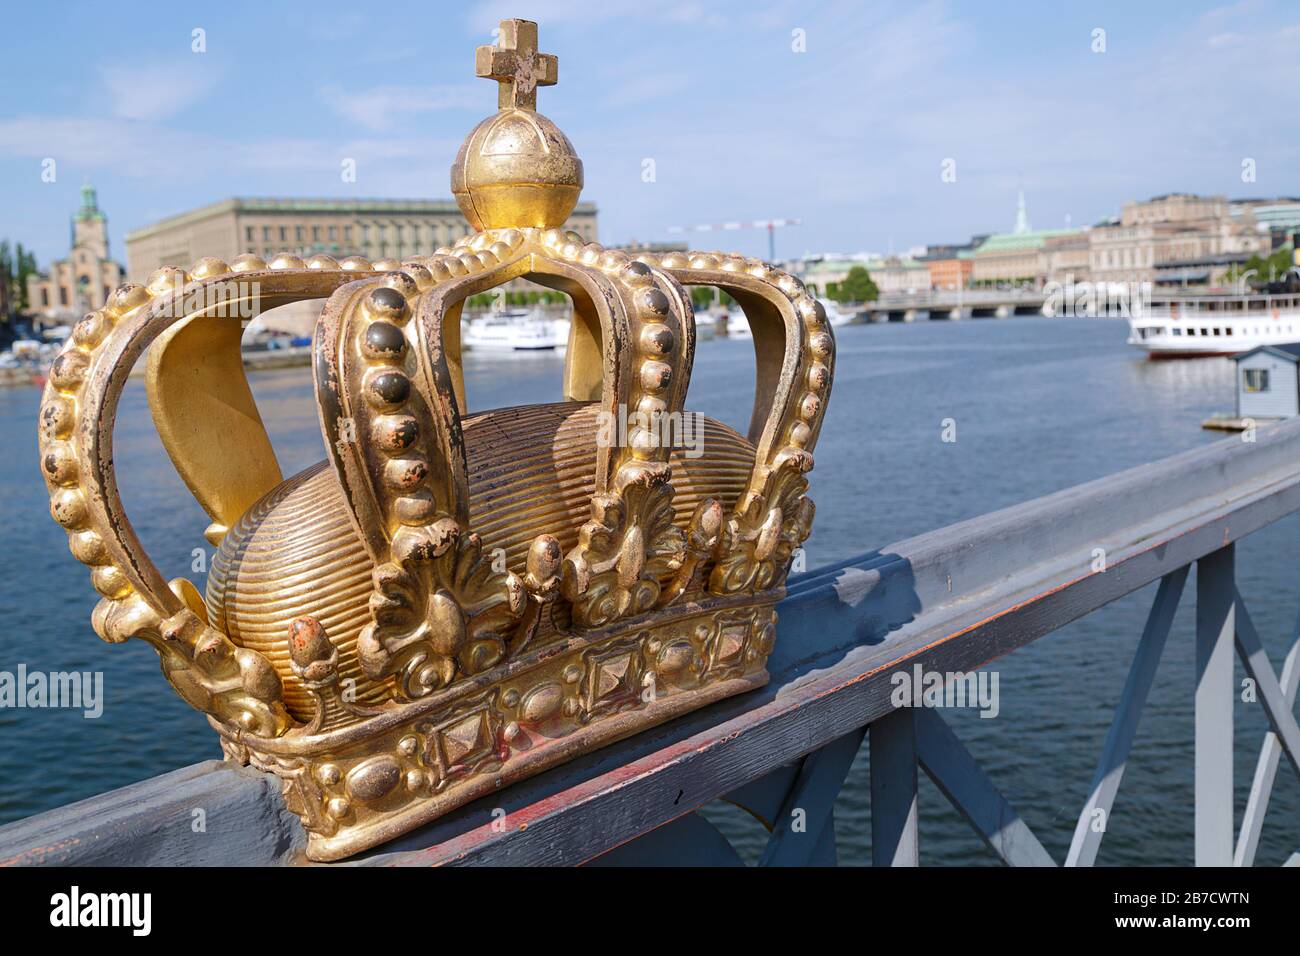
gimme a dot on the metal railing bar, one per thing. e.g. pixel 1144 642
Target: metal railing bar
pixel 808 810
pixel 894 809
pixel 1215 605
pixel 961 779
pixel 1095 816
pixel 1255 659
pixel 762 798
pixel 1261 787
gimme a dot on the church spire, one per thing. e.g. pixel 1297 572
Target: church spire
pixel 1022 216
pixel 89 211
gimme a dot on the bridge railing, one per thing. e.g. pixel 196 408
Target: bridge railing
pixel 950 601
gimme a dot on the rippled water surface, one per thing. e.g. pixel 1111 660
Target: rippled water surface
pixel 1038 404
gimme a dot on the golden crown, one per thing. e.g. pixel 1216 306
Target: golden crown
pixel 449 602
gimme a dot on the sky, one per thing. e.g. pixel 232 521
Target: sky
pixel 881 126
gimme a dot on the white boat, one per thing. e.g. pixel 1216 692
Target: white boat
pixel 515 331
pixel 718 323
pixel 738 325
pixel 1188 326
pixel 706 326
pixel 833 314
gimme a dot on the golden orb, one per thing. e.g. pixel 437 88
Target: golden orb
pixel 516 169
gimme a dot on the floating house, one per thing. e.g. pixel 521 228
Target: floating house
pixel 1268 382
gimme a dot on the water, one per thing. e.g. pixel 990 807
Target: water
pixel 1038 405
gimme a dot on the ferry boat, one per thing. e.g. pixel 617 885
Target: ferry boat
pixel 1188 326
pixel 515 330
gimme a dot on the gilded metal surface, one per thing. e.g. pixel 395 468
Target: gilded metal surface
pixel 450 603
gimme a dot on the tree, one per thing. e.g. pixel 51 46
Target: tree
pixel 15 266
pixel 858 286
pixel 1260 270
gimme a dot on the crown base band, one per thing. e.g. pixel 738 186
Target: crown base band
pixel 407 766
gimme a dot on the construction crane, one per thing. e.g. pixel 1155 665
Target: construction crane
pixel 769 224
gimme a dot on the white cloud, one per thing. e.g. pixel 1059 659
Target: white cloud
pixel 484 16
pixel 646 88
pixel 385 107
pixel 155 91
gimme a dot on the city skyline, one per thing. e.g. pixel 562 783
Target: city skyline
pixel 950 123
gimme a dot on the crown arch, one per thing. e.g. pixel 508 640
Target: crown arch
pixel 78 413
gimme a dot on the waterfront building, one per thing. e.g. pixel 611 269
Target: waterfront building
pixel 1177 238
pixel 821 273
pixel 84 280
pixel 896 275
pixel 949 265
pixel 1013 258
pixel 1067 257
pixel 1280 217
pixel 950 272
pixel 373 228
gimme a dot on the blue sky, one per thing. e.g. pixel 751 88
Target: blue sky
pixel 850 135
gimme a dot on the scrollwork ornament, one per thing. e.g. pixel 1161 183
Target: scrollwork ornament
pixel 626 552
pixel 758 544
pixel 439 609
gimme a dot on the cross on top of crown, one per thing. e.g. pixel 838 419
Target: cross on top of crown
pixel 516 65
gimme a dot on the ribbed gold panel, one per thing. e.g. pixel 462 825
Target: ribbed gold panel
pixel 531 471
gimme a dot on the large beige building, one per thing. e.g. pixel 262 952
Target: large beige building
pixel 899 275
pixel 1174 238
pixel 374 228
pixel 1067 256
pixel 84 280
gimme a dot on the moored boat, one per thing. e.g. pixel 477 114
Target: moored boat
pixel 1190 326
pixel 834 315
pixel 515 330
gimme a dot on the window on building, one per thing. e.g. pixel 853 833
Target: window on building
pixel 347 233
pixel 315 233
pixel 248 233
pixel 300 233
pixel 334 232
pixel 284 233
pixel 1254 379
pixel 266 233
